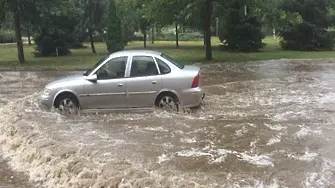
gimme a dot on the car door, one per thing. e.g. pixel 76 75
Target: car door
pixel 144 82
pixel 109 91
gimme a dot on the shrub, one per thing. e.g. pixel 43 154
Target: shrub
pixel 240 32
pixel 7 36
pixel 50 45
pixel 244 37
pixel 307 26
pixel 193 36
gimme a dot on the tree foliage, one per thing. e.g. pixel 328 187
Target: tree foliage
pixel 242 29
pixel 58 29
pixel 129 16
pixel 114 32
pixel 311 31
pixel 59 25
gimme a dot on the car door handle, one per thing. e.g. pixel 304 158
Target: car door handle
pixel 154 82
pixel 120 85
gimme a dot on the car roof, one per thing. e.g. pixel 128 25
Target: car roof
pixel 134 52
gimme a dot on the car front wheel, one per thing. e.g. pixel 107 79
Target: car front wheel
pixel 67 104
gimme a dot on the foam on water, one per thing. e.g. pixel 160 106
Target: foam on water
pixel 257 123
pixel 307 156
pixel 306 131
pixel 275 127
pixel 273 140
pixel 219 156
pixel 188 140
pixel 322 179
pixel 53 164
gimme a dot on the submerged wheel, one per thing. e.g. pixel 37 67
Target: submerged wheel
pixel 168 102
pixel 67 104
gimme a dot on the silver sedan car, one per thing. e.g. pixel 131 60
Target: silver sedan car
pixel 126 80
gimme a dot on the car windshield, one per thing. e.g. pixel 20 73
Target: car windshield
pixel 176 63
pixel 88 72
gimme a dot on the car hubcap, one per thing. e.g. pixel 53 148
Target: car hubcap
pixel 67 106
pixel 168 103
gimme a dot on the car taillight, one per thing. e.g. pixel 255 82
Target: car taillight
pixel 195 82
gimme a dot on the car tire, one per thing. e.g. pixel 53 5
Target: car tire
pixel 67 104
pixel 168 102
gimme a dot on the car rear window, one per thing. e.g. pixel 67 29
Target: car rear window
pixel 163 67
pixel 176 63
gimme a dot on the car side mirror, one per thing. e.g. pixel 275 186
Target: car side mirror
pixel 92 78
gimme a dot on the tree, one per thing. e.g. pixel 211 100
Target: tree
pixel 144 25
pixel 309 30
pixel 17 24
pixel 143 9
pixel 195 14
pixel 114 33
pixel 24 12
pixel 57 30
pixel 242 28
pixel 166 12
pixel 15 8
pixel 129 15
pixel 92 20
pixel 208 29
pixel 271 14
pixel 90 5
pixel 199 15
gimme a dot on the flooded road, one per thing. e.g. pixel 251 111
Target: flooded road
pixel 262 124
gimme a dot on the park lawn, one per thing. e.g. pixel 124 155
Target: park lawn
pixel 189 52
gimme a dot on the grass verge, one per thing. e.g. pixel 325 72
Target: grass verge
pixel 189 52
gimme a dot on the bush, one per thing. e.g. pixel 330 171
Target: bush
pixel 311 32
pixel 194 36
pixel 7 36
pixel 50 45
pixel 241 33
pixel 307 37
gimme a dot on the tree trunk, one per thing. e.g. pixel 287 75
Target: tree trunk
pixel 177 36
pixel 145 38
pixel 208 29
pixel 274 31
pixel 91 28
pixel 153 34
pixel 92 42
pixel 245 10
pixel 29 40
pixel 204 31
pixel 217 27
pixel 17 25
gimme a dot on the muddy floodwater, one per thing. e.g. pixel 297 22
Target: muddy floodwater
pixel 262 124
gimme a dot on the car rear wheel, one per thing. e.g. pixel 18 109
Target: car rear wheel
pixel 67 104
pixel 169 103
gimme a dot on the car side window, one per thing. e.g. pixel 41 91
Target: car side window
pixel 113 69
pixel 163 67
pixel 143 66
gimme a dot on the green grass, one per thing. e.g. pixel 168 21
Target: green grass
pixel 189 52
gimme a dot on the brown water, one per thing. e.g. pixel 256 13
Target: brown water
pixel 265 124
